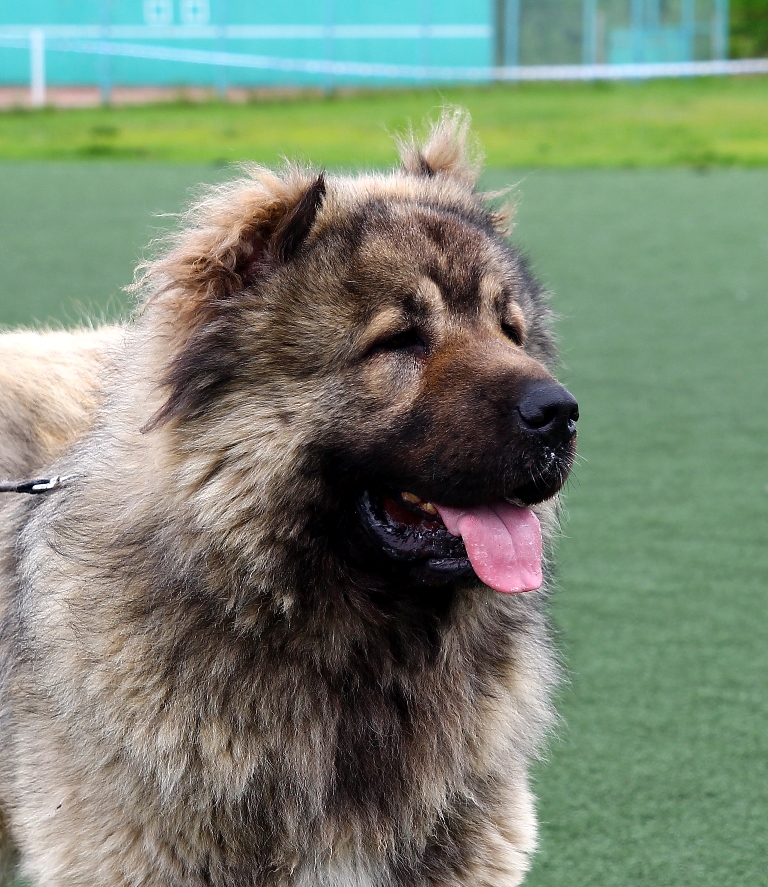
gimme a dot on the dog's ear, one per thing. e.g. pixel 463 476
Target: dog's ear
pixel 292 230
pixel 449 150
pixel 232 238
pixel 234 235
pixel 280 239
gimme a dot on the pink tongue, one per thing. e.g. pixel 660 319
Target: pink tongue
pixel 503 543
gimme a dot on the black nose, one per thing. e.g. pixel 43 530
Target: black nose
pixel 548 407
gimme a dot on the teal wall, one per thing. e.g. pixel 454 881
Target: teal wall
pixel 326 36
pixel 451 33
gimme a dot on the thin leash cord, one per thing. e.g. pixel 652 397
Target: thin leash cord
pixel 35 485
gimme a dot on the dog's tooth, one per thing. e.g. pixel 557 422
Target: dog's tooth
pixel 428 507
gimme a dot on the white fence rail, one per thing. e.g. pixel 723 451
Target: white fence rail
pixel 60 40
pixel 254 32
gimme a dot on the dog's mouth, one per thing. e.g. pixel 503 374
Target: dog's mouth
pixel 499 541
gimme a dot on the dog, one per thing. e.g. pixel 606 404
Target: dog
pixel 283 619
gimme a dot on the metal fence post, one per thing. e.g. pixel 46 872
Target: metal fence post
pixel 499 17
pixel 688 24
pixel 722 30
pixel 589 32
pixel 37 67
pixel 512 36
pixel 638 35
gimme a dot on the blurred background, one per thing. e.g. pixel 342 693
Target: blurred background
pixel 635 134
pixel 228 44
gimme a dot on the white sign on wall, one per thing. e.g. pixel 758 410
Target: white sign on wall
pixel 191 12
pixel 158 12
pixel 195 12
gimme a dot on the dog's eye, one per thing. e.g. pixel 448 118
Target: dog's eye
pixel 511 332
pixel 409 341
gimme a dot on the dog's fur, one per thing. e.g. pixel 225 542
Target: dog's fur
pixel 208 678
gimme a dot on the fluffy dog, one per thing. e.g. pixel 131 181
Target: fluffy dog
pixel 266 633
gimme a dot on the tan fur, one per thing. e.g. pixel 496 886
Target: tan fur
pixel 48 392
pixel 449 151
pixel 198 686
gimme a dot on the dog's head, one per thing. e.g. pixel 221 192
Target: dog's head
pixel 366 363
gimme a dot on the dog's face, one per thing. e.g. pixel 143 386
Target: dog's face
pixel 401 339
pixel 432 346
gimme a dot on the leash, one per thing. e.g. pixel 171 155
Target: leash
pixel 36 485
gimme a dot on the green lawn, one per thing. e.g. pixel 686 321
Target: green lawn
pixel 657 123
pixel 659 777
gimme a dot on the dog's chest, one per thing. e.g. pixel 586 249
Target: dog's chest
pixel 341 873
pixel 343 779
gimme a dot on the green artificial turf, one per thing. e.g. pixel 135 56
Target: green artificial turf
pixel 657 123
pixel 72 233
pixel 659 774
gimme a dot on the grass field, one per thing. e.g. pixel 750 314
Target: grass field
pixel 660 774
pixel 658 123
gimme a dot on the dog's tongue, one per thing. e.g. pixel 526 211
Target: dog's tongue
pixel 503 543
